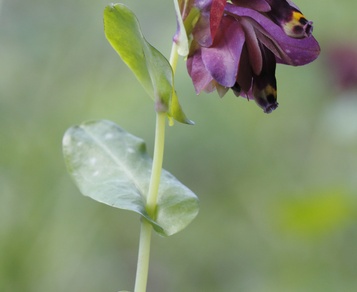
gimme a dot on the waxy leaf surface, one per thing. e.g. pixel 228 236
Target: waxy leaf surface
pixel 150 67
pixel 112 166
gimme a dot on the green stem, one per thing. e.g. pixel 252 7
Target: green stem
pixel 151 201
pixel 142 270
pixel 173 57
pixel 146 227
pixel 157 163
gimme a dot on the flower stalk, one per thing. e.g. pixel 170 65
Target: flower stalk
pixel 142 269
pixel 146 228
pixel 151 201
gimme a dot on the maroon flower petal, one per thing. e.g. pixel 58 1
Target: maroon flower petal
pixel 264 85
pixel 198 72
pixel 245 74
pixel 292 4
pixel 216 14
pixel 290 18
pixel 292 51
pixel 259 5
pixel 202 30
pixel 254 52
pixel 222 58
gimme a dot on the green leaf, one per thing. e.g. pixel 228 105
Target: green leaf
pixel 180 37
pixel 112 166
pixel 150 67
pixel 183 35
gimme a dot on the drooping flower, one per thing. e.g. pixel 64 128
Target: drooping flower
pixel 237 44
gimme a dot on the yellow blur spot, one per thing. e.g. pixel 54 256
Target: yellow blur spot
pixel 270 90
pixel 297 15
pixel 295 27
pixel 315 214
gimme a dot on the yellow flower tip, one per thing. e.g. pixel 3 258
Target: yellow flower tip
pixel 298 26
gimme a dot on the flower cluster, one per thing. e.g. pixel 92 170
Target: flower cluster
pixel 236 45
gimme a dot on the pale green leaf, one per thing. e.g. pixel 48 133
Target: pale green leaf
pixel 180 38
pixel 112 166
pixel 150 67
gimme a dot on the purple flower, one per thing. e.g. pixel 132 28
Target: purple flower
pixel 237 45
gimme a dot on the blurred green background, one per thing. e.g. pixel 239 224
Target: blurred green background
pixel 277 192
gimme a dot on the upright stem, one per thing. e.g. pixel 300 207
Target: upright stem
pixel 146 228
pixel 157 163
pixel 142 269
pixel 173 57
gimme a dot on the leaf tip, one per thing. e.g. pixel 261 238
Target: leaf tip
pixel 189 122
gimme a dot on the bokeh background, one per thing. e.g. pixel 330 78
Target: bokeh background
pixel 278 192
